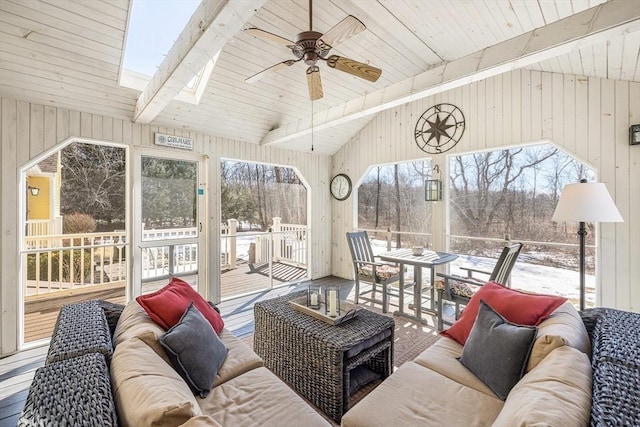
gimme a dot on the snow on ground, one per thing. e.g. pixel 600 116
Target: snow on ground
pixel 525 276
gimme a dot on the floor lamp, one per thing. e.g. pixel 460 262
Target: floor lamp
pixel 585 202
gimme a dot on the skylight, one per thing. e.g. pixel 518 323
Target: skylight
pixel 154 26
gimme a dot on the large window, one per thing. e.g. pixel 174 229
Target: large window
pixel 511 194
pixel 392 198
pixel 74 244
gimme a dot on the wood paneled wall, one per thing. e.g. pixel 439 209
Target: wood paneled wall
pixel 28 130
pixel 587 117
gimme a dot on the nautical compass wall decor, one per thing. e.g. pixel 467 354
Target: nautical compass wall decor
pixel 439 128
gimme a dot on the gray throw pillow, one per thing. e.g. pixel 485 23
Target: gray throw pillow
pixel 195 350
pixel 497 351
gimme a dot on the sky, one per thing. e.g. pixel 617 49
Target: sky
pixel 154 26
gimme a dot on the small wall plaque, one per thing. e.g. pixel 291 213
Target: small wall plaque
pixel 180 142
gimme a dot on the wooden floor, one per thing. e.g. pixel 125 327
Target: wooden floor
pixel 17 371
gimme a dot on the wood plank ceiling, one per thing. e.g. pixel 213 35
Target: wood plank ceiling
pixel 68 53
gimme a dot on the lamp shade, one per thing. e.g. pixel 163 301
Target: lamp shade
pixel 586 202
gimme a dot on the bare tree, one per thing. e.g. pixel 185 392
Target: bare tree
pixel 93 182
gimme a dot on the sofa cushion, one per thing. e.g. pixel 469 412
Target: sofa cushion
pixel 497 351
pixel 383 271
pixel 147 390
pixel 240 357
pixel 133 323
pixel 563 327
pixel 516 306
pixel 201 421
pixel 359 377
pixel 417 396
pixel 557 392
pixel 258 398
pixel 167 305
pixel 442 357
pixel 195 350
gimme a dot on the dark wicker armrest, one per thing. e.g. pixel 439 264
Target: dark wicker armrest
pixel 616 395
pixel 74 392
pixel 81 328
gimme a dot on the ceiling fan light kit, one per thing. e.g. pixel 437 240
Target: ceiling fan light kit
pixel 312 46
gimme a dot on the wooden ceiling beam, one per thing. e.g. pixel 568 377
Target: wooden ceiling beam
pixel 600 23
pixel 212 24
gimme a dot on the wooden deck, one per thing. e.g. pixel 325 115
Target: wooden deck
pixel 17 371
pixel 250 278
pixel 41 311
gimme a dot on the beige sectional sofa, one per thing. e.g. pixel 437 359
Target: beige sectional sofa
pixel 435 389
pixel 148 391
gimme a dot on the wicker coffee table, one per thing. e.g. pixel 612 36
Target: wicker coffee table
pixel 316 358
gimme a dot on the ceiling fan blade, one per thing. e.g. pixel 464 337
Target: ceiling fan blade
pixel 344 29
pixel 268 36
pixel 356 68
pixel 314 82
pixel 270 70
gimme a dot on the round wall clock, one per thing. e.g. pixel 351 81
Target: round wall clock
pixel 439 128
pixel 340 186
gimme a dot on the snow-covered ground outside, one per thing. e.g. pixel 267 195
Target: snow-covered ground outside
pixel 243 241
pixel 525 276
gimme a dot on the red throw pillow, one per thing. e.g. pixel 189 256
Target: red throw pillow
pixel 167 305
pixel 515 306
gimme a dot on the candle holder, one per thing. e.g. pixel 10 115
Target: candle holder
pixel 313 297
pixel 332 301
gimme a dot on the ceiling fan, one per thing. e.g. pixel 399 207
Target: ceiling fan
pixel 312 46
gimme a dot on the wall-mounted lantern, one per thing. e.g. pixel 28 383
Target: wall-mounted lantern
pixel 433 187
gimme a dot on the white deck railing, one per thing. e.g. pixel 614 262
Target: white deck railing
pixel 78 261
pixel 73 261
pixel 289 244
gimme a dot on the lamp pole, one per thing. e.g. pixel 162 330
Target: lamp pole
pixel 582 233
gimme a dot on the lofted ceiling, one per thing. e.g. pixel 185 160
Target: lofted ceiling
pixel 68 53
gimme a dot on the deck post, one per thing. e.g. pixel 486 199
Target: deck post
pixel 277 238
pixel 233 226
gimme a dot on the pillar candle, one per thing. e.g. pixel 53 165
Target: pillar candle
pixel 332 303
